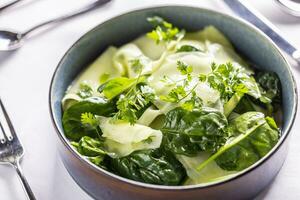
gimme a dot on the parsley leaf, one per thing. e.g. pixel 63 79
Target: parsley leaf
pixel 137 96
pixel 89 120
pixel 194 102
pixel 183 88
pixel 137 65
pixel 175 95
pixel 229 79
pixel 85 91
pixel 185 69
pixel 164 31
pixel 232 82
pixel 131 103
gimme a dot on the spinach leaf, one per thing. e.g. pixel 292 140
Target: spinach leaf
pixel 72 124
pixel 252 137
pixel 248 104
pixel 245 105
pixel 88 146
pixel 93 150
pixel 116 86
pixel 187 48
pixel 270 83
pixel 101 161
pixel 150 166
pixel 134 95
pixel 188 132
pixel 249 150
pixel 104 77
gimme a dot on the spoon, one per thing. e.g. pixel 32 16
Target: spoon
pixel 290 6
pixel 9 4
pixel 10 40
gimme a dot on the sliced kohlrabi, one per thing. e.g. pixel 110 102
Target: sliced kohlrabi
pixel 126 55
pixel 122 139
pixel 92 75
pixel 149 116
pixel 210 33
pixel 149 47
pixel 211 173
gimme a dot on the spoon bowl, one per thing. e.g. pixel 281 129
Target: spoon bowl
pixel 10 40
pixel 290 6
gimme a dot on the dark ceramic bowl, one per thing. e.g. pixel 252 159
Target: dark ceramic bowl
pixel 248 40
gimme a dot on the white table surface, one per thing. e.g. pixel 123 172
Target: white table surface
pixel 24 82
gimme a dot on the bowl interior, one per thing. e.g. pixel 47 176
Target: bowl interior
pixel 122 29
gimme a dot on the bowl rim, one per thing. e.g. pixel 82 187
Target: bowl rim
pixel 108 174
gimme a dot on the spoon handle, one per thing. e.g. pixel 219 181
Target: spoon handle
pixel 9 5
pixel 245 11
pixel 296 55
pixel 56 21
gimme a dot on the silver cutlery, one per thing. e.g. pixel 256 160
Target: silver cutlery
pixel 11 150
pixel 8 5
pixel 290 6
pixel 10 40
pixel 245 11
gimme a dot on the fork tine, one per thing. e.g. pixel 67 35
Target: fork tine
pixel 5 123
pixel 2 137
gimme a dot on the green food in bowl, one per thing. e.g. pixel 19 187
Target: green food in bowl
pixel 173 108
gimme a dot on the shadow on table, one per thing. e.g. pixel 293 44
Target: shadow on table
pixel 18 6
pixel 63 186
pixel 5 55
pixel 262 194
pixel 9 178
pixel 275 14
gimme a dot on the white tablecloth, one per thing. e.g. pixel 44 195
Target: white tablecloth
pixel 25 78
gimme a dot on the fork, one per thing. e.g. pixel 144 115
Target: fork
pixel 11 149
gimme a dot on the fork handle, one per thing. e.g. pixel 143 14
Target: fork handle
pixel 24 182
